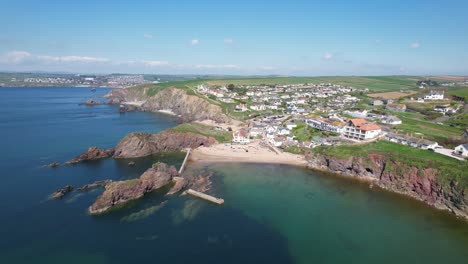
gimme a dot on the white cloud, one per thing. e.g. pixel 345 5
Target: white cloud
pixel 228 41
pixel 194 42
pixel 80 59
pixel 83 59
pixel 267 68
pixel 328 56
pixel 378 41
pixel 21 56
pixel 153 63
pixel 212 66
pixel 15 57
pixel 415 45
pixel 147 36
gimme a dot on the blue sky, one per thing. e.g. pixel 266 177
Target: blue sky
pixel 237 37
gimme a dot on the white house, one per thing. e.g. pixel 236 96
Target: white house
pixel 360 129
pixel 435 95
pixel 241 136
pixel 278 141
pixel 283 131
pixel 256 131
pixel 241 108
pixel 258 107
pixel 391 120
pixel 461 150
pixel 290 126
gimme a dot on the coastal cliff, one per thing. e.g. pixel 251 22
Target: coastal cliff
pixel 138 144
pixel 188 107
pixel 426 183
pixel 120 192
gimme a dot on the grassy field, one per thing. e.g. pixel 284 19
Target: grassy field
pixel 449 168
pixel 459 91
pixel 385 83
pixel 410 125
pixel 390 95
pixel 209 131
pixel 460 121
pixel 374 83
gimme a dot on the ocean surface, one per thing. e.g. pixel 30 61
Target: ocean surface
pixel 272 213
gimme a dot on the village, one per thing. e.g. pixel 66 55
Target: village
pixel 296 116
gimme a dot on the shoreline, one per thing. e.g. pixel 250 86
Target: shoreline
pixel 249 153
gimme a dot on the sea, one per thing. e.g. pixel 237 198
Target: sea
pixel 272 213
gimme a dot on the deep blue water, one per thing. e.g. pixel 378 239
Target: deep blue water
pixel 42 125
pixel 272 214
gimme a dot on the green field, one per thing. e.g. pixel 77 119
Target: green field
pixel 449 168
pixel 209 131
pixel 427 128
pixel 459 91
pixel 385 83
pixel 374 83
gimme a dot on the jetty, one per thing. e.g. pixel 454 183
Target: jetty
pixel 182 167
pixel 205 197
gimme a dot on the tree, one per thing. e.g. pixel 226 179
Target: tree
pixel 231 87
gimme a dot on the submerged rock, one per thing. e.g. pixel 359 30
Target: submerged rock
pixel 52 165
pixel 139 144
pixel 131 163
pixel 61 192
pixel 93 153
pixel 94 185
pixel 91 102
pixel 159 175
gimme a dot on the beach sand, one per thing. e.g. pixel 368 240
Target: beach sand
pixel 237 153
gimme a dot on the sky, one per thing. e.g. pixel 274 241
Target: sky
pixel 311 38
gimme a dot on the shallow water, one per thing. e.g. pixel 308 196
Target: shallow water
pixel 272 214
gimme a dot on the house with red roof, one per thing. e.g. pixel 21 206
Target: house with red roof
pixel 241 136
pixel 360 129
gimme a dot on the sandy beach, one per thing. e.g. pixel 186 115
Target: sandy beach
pixel 250 153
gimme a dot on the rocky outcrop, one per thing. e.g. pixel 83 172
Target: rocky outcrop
pixel 120 192
pixel 93 153
pixel 91 102
pixel 138 144
pixel 52 165
pixel 61 192
pixel 94 185
pixel 397 176
pixel 188 107
pixel 179 184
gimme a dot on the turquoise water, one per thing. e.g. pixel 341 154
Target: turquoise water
pixel 272 214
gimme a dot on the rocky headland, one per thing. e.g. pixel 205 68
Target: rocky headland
pixel 93 153
pixel 421 183
pixel 138 144
pixel 188 107
pixel 119 192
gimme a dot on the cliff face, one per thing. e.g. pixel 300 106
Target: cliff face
pixel 120 192
pixel 138 144
pixel 189 107
pixel 396 176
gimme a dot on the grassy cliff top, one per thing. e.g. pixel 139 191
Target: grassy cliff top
pixel 204 130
